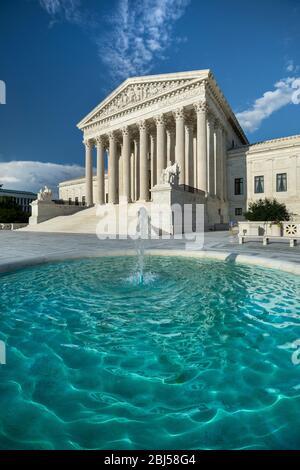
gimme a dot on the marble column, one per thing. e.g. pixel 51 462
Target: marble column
pixel 89 172
pixel 153 147
pixel 126 164
pixel 180 145
pixel 144 172
pixel 132 172
pixel 195 179
pixel 224 149
pixel 216 151
pixel 137 167
pixel 211 156
pixel 219 156
pixel 161 147
pixel 120 170
pixel 100 199
pixel 201 111
pixel 189 156
pixel 170 145
pixel 112 169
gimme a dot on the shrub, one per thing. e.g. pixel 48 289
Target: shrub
pixel 10 212
pixel 267 209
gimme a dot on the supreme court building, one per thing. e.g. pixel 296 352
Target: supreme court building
pixel 150 122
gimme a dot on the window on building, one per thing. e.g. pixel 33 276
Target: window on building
pixel 70 201
pixel 238 186
pixel 76 201
pixel 238 211
pixel 83 200
pixel 259 184
pixel 281 182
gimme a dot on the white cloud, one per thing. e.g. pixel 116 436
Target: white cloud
pixel 51 6
pixel 67 9
pixel 286 91
pixel 291 67
pixel 140 31
pixel 31 176
pixel 137 32
pixel 8 179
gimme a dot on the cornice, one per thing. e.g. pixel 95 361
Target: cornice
pixel 276 143
pixel 75 181
pixel 273 144
pixel 217 95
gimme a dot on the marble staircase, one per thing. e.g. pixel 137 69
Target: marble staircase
pixel 107 219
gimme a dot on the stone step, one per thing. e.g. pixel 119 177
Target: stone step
pixel 86 221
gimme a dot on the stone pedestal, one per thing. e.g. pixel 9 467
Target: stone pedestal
pixel 174 210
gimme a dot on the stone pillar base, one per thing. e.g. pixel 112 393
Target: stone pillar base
pixel 168 209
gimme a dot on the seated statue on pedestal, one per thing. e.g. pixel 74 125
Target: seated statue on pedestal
pixel 170 175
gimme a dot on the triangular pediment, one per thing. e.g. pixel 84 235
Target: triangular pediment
pixel 135 91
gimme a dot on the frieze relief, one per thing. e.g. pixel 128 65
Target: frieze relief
pixel 137 93
pixel 175 96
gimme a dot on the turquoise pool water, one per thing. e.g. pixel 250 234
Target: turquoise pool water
pixel 204 355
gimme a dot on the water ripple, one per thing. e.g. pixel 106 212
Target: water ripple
pixel 202 355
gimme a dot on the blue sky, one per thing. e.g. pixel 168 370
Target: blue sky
pixel 60 58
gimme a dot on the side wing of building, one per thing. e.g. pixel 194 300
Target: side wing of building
pixel 269 169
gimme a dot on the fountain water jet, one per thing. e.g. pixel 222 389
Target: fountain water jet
pixel 142 232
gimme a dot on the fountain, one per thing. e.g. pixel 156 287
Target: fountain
pixel 142 232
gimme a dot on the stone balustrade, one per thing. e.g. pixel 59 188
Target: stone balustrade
pixel 13 226
pixel 45 210
pixel 266 230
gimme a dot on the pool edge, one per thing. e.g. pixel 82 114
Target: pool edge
pixel 230 257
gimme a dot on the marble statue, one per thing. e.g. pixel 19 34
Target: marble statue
pixel 45 194
pixel 170 175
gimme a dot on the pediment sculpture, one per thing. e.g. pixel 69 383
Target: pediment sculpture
pixel 138 92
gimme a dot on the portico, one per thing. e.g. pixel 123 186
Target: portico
pixel 138 153
pixel 147 124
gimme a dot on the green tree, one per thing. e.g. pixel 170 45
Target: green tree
pixel 10 212
pixel 267 209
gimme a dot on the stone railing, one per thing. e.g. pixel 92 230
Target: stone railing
pixel 268 230
pixel 271 229
pixel 11 226
pixel 45 210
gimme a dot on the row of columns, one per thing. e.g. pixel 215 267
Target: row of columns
pixel 165 145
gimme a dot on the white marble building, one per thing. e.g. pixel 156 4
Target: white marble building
pixel 267 169
pixel 150 122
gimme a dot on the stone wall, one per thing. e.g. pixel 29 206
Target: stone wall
pixel 266 159
pixel 45 210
